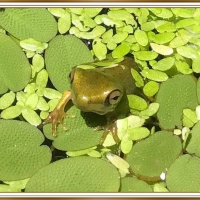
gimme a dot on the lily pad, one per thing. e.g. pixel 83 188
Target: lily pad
pixel 13 78
pixel 63 53
pixel 176 94
pixel 183 175
pixel 21 153
pixel 193 143
pixel 24 23
pixel 78 174
pixel 132 184
pixel 155 154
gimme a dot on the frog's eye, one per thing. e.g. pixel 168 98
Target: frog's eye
pixel 113 97
pixel 71 76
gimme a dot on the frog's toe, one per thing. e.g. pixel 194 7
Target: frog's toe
pixel 55 117
pixel 110 128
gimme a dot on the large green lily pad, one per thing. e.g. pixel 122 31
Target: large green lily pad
pixel 24 23
pixel 174 95
pixel 14 66
pixel 79 174
pixel 155 154
pixel 20 150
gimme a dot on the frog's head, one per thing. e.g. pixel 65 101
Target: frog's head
pixel 93 90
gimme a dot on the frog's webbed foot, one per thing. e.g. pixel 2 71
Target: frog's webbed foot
pixel 110 127
pixel 57 115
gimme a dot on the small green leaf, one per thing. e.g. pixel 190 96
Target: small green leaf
pixel 138 79
pixel 121 51
pixel 32 101
pixel 107 36
pixel 58 12
pixel 151 110
pixel 164 64
pixel 166 27
pixel 33 45
pixel 195 64
pixel 138 133
pixel 141 37
pixel 31 116
pixel 94 154
pixel 162 38
pixel 162 49
pixel 42 78
pixel 154 75
pixel 187 52
pixel 38 62
pixel 6 100
pixel 126 145
pixel 119 37
pixel 147 26
pixel 11 112
pixel 79 153
pixel 183 67
pixel 186 22
pixel 64 23
pixel 136 102
pixel 151 88
pixel 99 49
pixel 183 12
pixel 118 162
pixel 146 55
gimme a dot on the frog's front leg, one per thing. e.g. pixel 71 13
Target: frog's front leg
pixel 110 127
pixel 57 115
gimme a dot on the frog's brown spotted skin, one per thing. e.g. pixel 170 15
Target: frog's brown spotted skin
pixel 101 90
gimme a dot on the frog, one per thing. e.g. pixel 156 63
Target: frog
pixel 99 89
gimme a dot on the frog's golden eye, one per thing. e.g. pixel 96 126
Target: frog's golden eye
pixel 71 76
pixel 113 97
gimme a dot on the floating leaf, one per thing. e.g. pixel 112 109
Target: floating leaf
pixel 176 94
pixel 132 184
pixel 120 51
pixel 154 75
pixel 95 175
pixel 141 37
pixel 181 172
pixel 183 12
pixel 21 153
pixel 150 158
pixel 162 49
pixel 13 78
pixel 24 23
pixel 187 52
pixel 146 55
pixel 64 23
pixel 164 64
pixel 193 144
pixel 118 162
pixel 136 102
pixel 6 100
pixel 151 88
pixel 99 49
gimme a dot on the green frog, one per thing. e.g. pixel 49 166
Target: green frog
pixel 102 90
